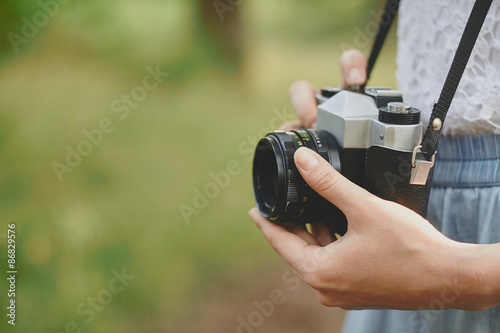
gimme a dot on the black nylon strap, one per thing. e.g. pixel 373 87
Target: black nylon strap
pixel 473 27
pixel 476 19
pixel 390 11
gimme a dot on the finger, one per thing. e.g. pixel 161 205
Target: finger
pixel 290 126
pixel 353 66
pixel 329 183
pixel 322 233
pixel 302 232
pixel 362 307
pixel 289 246
pixel 302 95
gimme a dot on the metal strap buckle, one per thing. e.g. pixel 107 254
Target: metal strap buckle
pixel 420 168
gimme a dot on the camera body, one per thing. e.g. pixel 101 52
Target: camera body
pixel 377 150
pixel 371 137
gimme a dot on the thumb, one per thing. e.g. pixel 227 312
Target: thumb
pixel 353 65
pixel 329 183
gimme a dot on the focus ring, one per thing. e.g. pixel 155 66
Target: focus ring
pixel 288 148
pixel 292 192
pixel 281 193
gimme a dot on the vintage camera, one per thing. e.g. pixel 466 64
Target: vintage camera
pixel 371 137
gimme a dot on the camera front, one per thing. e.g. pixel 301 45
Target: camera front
pixel 281 193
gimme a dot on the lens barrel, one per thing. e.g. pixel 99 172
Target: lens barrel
pixel 281 193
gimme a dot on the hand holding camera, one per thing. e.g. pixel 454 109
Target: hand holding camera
pixel 386 249
pixel 389 257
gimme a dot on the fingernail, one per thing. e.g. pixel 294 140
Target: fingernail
pixel 355 76
pixel 313 125
pixel 306 159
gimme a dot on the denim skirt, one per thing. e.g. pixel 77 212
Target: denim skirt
pixel 465 206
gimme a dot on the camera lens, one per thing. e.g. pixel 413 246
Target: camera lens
pixel 281 193
pixel 269 178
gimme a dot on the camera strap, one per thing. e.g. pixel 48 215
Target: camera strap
pixel 388 15
pixel 424 154
pixel 473 27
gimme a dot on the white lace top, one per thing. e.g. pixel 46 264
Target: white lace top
pixel 428 35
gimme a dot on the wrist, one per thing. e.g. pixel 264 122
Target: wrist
pixel 479 271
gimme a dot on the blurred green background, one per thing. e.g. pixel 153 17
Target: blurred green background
pixel 64 67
